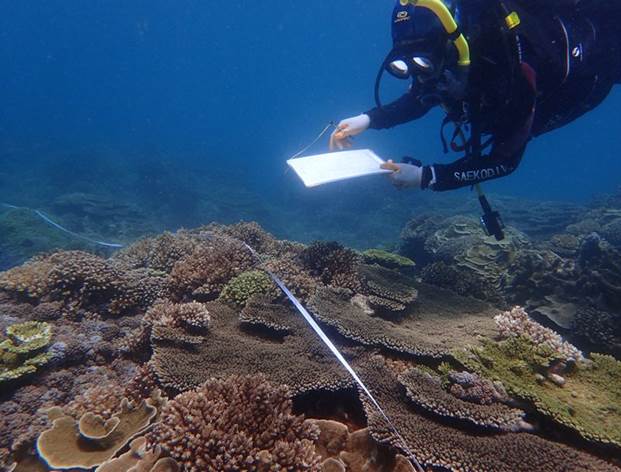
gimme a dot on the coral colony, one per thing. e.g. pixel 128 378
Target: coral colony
pixel 179 353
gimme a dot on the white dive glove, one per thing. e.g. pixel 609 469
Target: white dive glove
pixel 405 175
pixel 346 128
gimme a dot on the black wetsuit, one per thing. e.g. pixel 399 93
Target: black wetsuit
pixel 565 65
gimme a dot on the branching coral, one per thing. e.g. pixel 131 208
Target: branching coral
pixel 209 268
pixel 329 261
pixel 241 288
pixel 24 352
pixel 299 281
pixel 159 253
pixel 82 282
pixel 241 423
pixel 191 316
pixel 516 322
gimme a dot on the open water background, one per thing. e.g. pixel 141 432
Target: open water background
pixel 187 110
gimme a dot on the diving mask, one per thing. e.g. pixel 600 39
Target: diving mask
pixel 406 67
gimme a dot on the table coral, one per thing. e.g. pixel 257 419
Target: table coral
pixel 441 446
pixel 388 291
pixel 390 260
pixel 240 423
pixel 586 400
pixel 24 352
pixel 437 323
pixel 426 391
pixel 232 348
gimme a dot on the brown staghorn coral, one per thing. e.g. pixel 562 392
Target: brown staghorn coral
pixel 426 391
pixel 159 253
pixel 241 423
pixel 191 316
pixel 332 263
pixel 93 440
pixel 142 385
pixel 439 322
pixel 84 282
pixel 439 446
pixel 100 400
pixel 252 234
pixel 300 282
pixel 228 349
pixel 204 272
pixel 516 322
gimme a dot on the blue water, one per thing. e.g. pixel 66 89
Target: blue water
pixel 189 109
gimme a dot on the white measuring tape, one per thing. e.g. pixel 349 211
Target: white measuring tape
pixel 51 222
pixel 322 335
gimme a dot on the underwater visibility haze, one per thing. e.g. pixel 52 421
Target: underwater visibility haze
pixel 173 298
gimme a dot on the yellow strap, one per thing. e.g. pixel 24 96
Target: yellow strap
pixel 448 23
pixel 512 20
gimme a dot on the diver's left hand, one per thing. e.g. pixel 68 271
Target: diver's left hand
pixel 404 175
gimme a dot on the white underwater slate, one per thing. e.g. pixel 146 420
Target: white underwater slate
pixel 336 166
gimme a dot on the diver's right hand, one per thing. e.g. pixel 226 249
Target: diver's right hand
pixel 346 128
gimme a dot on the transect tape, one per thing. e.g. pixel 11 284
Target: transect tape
pixel 51 222
pixel 311 321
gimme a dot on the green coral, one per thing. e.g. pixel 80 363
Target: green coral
pixel 22 353
pixel 589 401
pixel 387 259
pixel 240 288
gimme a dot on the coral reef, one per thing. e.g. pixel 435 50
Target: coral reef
pixel 193 318
pixel 94 440
pixel 441 446
pixel 25 350
pixel 240 423
pixel 228 349
pixel 342 450
pixel 387 291
pixel 206 271
pixel 139 459
pixel 241 288
pixel 438 323
pixel 425 391
pixel 517 323
pixel 581 397
pixel 459 243
pixel 390 260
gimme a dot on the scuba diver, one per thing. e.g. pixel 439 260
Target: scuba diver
pixel 504 71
